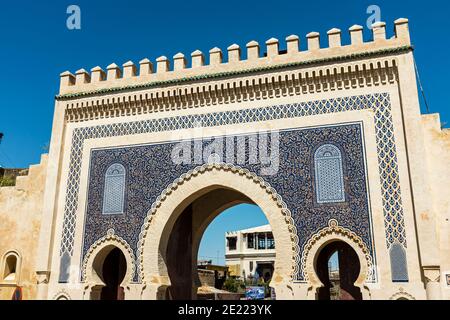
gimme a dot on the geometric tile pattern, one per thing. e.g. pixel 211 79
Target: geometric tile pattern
pixel 388 167
pixel 294 183
pixel 398 263
pixel 113 198
pixel 387 156
pixel 329 175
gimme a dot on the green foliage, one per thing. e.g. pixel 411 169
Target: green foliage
pixel 233 285
pixel 7 181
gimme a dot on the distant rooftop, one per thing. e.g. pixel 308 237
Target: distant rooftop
pixel 264 228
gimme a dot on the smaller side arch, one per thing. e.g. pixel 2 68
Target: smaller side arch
pixel 334 232
pixel 100 249
pixel 10 267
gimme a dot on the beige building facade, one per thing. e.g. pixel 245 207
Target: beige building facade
pixel 250 253
pixel 328 142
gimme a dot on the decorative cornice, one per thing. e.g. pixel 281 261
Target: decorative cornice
pixel 311 62
pixel 260 86
pixel 219 167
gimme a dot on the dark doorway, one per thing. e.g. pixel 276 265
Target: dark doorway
pixel 183 241
pixel 338 282
pixel 179 258
pixel 264 271
pixel 113 271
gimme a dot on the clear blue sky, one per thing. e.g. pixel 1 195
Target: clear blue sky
pixel 242 216
pixel 36 46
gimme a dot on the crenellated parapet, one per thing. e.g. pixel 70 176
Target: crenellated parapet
pixel 165 71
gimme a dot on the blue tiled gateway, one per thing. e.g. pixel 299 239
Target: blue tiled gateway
pixel 328 142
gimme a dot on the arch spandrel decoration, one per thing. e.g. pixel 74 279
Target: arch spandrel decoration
pixel 330 233
pixel 109 239
pixel 235 170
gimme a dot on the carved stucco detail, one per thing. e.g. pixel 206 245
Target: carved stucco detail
pixel 62 295
pixel 220 167
pixel 432 274
pixel 42 277
pixel 85 106
pixel 402 294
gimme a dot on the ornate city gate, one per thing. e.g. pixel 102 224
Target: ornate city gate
pixel 323 141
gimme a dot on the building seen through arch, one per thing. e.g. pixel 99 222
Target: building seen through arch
pixel 250 253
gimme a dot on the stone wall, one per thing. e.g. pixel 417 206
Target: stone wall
pixel 437 155
pixel 207 277
pixel 20 216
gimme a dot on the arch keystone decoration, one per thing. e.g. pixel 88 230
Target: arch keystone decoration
pixel 334 232
pixel 110 239
pixel 62 295
pixel 208 175
pixel 402 294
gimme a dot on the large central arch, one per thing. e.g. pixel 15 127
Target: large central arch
pixel 158 226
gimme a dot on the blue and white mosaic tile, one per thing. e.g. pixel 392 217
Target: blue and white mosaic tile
pixel 307 220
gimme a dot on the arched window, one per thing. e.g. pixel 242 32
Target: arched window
pixel 399 268
pixel 114 194
pixel 11 265
pixel 329 174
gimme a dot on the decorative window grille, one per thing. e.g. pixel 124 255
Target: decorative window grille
pixel 399 269
pixel 329 174
pixel 114 194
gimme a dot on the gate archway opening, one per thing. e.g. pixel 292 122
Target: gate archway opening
pixel 184 242
pixel 114 269
pixel 339 282
pixel 179 217
pixel 110 266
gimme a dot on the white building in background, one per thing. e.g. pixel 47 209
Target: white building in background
pixel 250 252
